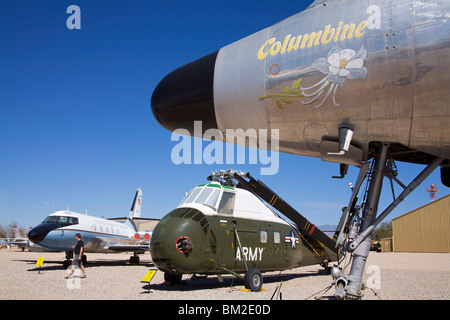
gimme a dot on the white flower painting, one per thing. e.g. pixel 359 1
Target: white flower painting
pixel 340 64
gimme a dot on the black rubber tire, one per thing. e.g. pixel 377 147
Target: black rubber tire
pixel 66 264
pixel 172 279
pixel 253 280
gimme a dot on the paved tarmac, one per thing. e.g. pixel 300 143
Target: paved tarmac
pixel 399 276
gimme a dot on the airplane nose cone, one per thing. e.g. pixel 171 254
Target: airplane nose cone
pixel 38 233
pixel 186 95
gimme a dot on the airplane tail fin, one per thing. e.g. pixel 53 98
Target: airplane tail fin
pixel 16 233
pixel 135 211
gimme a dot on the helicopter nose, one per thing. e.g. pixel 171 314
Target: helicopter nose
pixel 186 95
pixel 179 243
pixel 38 233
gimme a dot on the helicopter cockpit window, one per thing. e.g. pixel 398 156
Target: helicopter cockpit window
pixel 204 195
pixel 212 200
pixel 186 196
pixel 193 195
pixel 226 205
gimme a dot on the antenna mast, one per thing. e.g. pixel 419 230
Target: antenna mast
pixel 432 191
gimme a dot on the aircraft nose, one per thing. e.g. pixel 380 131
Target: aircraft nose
pixel 186 95
pixel 38 233
pixel 179 242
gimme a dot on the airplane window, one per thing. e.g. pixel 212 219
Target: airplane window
pixel 193 195
pixel 65 221
pixel 73 220
pixel 213 198
pixel 51 219
pixel 276 237
pixel 204 195
pixel 263 236
pixel 226 205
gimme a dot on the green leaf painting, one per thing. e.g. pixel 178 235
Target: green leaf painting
pixel 287 94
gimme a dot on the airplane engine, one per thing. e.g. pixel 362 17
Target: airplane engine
pixel 141 236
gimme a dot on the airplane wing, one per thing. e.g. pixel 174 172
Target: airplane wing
pixel 19 242
pixel 127 247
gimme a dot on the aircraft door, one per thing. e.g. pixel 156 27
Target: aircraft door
pixel 225 243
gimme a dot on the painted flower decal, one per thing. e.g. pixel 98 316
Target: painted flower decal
pixel 339 65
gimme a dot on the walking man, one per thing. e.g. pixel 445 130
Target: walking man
pixel 77 259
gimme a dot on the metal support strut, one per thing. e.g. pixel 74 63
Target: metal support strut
pixel 368 217
pixel 359 237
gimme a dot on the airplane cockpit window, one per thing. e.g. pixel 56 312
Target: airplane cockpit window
pixel 62 220
pixel 226 205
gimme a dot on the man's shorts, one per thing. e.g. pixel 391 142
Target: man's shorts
pixel 77 262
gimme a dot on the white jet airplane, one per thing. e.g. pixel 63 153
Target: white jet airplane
pixel 21 242
pixel 18 240
pixel 57 232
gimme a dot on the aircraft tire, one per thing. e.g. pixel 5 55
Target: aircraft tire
pixel 172 279
pixel 253 280
pixel 66 264
pixel 134 260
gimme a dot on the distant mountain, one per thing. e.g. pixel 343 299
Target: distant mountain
pixel 328 229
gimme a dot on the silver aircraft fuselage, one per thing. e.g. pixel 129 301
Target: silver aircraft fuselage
pixel 380 67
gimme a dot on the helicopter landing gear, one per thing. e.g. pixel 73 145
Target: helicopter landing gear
pixel 253 279
pixel 172 278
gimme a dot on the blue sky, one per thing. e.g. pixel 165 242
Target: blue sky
pixel 76 125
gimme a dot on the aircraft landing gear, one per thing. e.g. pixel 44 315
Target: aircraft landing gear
pixel 172 279
pixel 355 236
pixel 253 279
pixel 134 259
pixel 69 256
pixel 68 262
pixel 326 267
